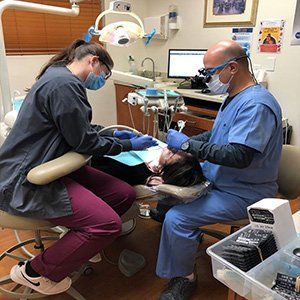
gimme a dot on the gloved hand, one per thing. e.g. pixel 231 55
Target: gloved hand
pixel 175 139
pixel 124 134
pixel 142 142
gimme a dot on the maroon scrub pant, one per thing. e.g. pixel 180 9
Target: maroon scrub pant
pixel 98 200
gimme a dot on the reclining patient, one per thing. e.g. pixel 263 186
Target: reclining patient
pixel 157 165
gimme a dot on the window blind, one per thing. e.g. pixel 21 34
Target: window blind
pixel 38 33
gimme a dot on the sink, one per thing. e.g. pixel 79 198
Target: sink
pixel 131 79
pixel 145 74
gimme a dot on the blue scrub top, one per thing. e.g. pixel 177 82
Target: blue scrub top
pixel 253 118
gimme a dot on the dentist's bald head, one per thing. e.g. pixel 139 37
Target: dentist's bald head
pixel 224 51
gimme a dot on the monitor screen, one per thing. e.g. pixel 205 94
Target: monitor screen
pixel 185 63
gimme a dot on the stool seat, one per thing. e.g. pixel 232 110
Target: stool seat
pixel 20 223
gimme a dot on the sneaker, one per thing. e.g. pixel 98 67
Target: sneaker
pixel 179 288
pixel 40 284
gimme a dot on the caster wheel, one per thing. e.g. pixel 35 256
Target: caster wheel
pixel 88 270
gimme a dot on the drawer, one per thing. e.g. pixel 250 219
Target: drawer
pixel 194 121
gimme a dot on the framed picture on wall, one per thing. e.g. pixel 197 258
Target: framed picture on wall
pixel 219 13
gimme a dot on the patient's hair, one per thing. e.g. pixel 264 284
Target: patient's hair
pixel 78 50
pixel 184 172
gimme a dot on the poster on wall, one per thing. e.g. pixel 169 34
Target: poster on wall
pixel 296 28
pixel 243 36
pixel 270 36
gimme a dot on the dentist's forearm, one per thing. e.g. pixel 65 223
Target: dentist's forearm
pixel 230 155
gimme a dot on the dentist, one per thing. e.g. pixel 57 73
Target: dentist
pixel 241 158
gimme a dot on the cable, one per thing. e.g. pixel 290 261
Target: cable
pixel 148 125
pixel 131 117
pixel 251 68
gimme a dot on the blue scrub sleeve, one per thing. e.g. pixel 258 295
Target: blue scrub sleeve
pixel 253 127
pixel 71 113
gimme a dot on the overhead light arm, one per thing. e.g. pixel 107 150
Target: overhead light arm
pixel 5 104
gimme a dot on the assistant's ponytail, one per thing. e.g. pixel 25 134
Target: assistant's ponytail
pixel 65 56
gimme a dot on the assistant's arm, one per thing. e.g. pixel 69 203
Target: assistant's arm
pixel 70 113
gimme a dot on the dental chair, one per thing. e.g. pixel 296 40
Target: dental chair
pixel 288 187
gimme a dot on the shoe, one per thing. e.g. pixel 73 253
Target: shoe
pixel 179 288
pixel 40 284
pixel 158 214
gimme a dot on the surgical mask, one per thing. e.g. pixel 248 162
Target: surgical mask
pixel 216 86
pixel 95 82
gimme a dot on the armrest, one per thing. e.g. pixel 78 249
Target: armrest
pixel 56 168
pixel 185 194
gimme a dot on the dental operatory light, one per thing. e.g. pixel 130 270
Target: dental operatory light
pixel 122 33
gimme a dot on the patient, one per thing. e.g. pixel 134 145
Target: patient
pixel 177 168
pixel 166 166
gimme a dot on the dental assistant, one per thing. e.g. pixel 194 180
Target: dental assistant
pixel 56 118
pixel 241 153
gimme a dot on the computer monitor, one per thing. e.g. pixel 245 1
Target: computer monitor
pixel 185 63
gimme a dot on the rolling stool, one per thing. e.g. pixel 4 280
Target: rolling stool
pixel 7 286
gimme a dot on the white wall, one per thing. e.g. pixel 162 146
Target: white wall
pixel 283 83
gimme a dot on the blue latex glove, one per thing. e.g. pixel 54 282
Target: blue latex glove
pixel 175 139
pixel 124 134
pixel 142 142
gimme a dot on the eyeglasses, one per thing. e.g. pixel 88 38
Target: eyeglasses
pixel 107 75
pixel 212 71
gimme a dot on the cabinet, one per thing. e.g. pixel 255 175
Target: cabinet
pixel 199 117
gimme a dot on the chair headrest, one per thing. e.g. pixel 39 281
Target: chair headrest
pixel 289 172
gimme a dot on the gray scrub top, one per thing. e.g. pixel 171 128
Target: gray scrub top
pixel 54 119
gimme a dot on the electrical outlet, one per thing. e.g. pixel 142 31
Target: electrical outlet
pixel 270 64
pixel 120 6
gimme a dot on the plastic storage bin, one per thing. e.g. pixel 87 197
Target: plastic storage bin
pixel 256 283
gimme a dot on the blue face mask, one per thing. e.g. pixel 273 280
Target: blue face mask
pixel 94 82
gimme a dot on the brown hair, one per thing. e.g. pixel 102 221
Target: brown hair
pixel 184 172
pixel 78 50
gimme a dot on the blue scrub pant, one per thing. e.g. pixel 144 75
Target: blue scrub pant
pixel 180 231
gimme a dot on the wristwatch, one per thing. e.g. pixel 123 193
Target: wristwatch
pixel 185 146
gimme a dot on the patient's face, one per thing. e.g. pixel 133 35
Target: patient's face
pixel 169 157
